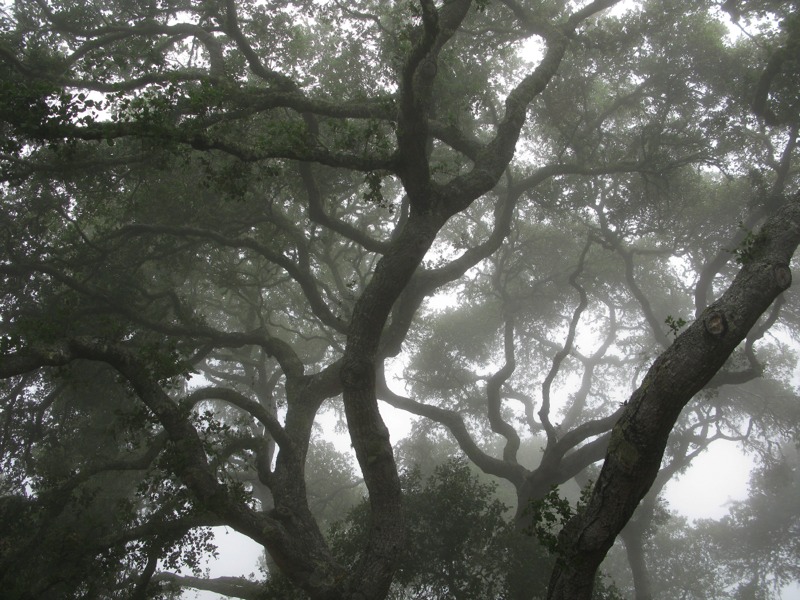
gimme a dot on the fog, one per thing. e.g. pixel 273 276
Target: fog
pixel 428 300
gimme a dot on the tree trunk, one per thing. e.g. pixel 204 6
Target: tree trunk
pixel 639 438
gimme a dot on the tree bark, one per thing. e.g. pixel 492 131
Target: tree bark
pixel 368 433
pixel 639 438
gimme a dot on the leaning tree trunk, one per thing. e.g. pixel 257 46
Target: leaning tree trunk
pixel 639 438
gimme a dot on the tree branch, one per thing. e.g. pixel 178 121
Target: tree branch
pixel 233 587
pixel 494 400
pixel 639 438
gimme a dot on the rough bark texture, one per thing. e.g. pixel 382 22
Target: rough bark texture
pixel 639 438
pixel 431 206
pixel 369 435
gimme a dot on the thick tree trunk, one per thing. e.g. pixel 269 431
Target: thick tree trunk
pixel 639 438
pixel 370 437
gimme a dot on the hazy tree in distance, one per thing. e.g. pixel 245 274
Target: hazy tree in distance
pixel 235 215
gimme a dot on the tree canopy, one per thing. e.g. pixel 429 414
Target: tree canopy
pixel 558 234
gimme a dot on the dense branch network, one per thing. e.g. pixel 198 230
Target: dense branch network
pixel 227 191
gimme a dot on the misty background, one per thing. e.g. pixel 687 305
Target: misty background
pixel 423 300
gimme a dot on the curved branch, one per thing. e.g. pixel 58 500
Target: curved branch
pixel 304 279
pixel 639 439
pixel 655 324
pixel 714 266
pixel 291 539
pixel 416 85
pixel 754 371
pixel 589 364
pixel 290 363
pixel 256 66
pixel 494 157
pixel 544 410
pixel 455 425
pixel 255 409
pixel 783 56
pixel 613 241
pixel 494 400
pixel 584 431
pixel 140 591
pixel 175 31
pixel 307 151
pixel 316 212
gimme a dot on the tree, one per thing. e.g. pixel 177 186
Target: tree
pixel 460 545
pixel 745 554
pixel 762 531
pixel 239 212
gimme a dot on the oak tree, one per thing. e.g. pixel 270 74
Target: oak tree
pixel 548 221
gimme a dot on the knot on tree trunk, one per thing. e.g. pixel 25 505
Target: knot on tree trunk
pixel 783 276
pixel 716 324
